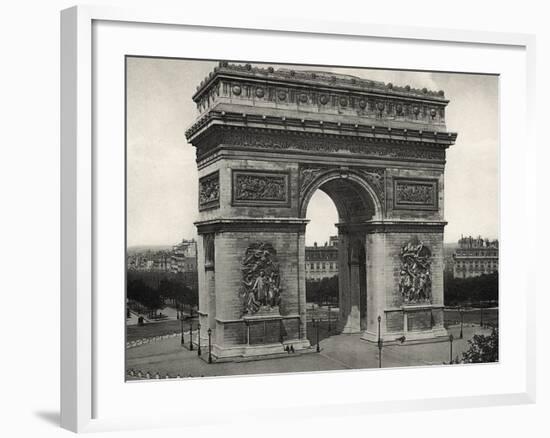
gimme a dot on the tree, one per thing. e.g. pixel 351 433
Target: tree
pixel 482 349
pixel 323 290
pixel 468 290
pixel 148 297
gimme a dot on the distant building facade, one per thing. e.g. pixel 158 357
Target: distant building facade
pixel 322 261
pixel 474 257
pixel 181 258
pixel 184 256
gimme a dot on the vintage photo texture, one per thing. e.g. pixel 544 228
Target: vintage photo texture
pixel 292 218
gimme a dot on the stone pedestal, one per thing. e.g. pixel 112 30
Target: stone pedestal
pixel 266 333
pixel 241 252
pixel 422 322
pixel 405 282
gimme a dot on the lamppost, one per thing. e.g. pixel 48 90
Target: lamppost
pixel 451 339
pixel 191 335
pixel 209 345
pixel 181 320
pixel 316 325
pixel 461 310
pixel 199 339
pixel 379 344
pixel 480 315
pixel 329 326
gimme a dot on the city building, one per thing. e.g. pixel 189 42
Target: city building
pixel 449 250
pixel 148 260
pixel 474 257
pixel 322 261
pixel 180 258
pixel 184 256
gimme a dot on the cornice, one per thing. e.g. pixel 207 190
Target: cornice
pixel 394 226
pixel 221 225
pixel 312 78
pixel 310 126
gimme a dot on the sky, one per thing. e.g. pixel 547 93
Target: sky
pixel 162 174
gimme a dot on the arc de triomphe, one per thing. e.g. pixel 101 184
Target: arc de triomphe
pixel 266 140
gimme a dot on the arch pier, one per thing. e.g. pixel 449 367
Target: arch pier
pixel 266 140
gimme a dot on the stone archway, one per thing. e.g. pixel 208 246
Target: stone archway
pixel 266 140
pixel 357 203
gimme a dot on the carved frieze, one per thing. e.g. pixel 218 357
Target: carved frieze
pixel 415 276
pixel 260 285
pixel 260 188
pixel 286 141
pixel 209 191
pixel 415 194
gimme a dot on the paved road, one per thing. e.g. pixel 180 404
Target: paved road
pixel 150 329
pixel 337 353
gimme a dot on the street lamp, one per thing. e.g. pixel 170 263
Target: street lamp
pixel 191 335
pixel 480 315
pixel 209 345
pixel 451 339
pixel 181 320
pixel 379 344
pixel 329 327
pixel 461 310
pixel 316 325
pixel 199 339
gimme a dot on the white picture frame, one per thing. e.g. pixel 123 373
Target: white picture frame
pixel 83 369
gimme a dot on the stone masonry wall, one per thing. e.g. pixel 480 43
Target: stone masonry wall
pixel 230 249
pixel 384 265
pixel 228 209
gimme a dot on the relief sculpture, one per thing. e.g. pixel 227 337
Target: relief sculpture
pixel 209 191
pixel 375 178
pixel 259 188
pixel 260 288
pixel 372 147
pixel 415 281
pixel 307 176
pixel 416 194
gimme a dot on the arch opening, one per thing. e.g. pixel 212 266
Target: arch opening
pixel 354 198
pixel 335 271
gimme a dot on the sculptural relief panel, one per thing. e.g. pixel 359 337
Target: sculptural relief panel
pixel 260 286
pixel 257 188
pixel 415 278
pixel 209 191
pixel 415 194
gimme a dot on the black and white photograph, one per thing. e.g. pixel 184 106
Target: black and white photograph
pixel 304 218
pixel 297 218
